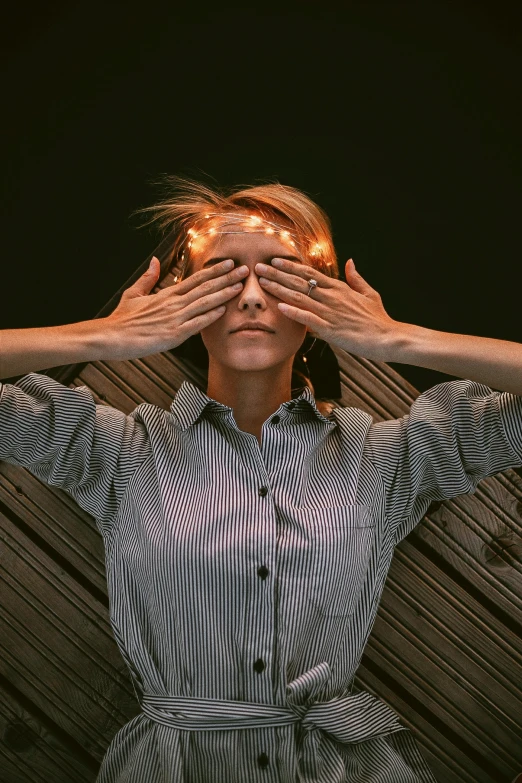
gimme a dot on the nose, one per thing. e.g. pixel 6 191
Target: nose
pixel 252 296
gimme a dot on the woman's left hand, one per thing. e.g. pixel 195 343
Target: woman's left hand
pixel 349 315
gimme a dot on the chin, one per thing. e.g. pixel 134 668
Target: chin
pixel 252 363
pixel 249 359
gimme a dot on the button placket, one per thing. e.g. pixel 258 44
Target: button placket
pixel 259 617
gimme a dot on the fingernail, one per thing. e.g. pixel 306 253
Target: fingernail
pixel 261 268
pixel 228 264
pixel 151 264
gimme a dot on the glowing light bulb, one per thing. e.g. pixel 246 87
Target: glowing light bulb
pixel 285 234
pixel 207 216
pixel 212 231
pixel 191 231
pixel 269 230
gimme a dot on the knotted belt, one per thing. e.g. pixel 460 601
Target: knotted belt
pixel 353 718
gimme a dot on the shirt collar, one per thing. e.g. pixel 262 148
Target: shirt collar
pixel 190 402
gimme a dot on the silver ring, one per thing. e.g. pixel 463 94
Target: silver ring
pixel 313 284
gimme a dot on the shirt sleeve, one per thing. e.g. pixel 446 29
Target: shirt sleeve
pixel 456 434
pixel 66 440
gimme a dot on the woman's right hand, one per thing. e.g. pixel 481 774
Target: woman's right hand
pixel 145 323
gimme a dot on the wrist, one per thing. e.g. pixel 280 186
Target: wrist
pixel 92 341
pixel 409 344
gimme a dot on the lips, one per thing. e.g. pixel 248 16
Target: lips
pixel 252 332
pixel 253 328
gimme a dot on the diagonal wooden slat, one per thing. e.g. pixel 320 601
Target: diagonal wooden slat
pixel 32 751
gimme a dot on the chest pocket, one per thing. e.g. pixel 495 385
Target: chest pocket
pixel 340 541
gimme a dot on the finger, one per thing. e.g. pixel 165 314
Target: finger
pixel 296 278
pixel 202 275
pixel 223 282
pixel 303 271
pixel 315 323
pixel 202 304
pixel 207 284
pixel 199 322
pixel 291 295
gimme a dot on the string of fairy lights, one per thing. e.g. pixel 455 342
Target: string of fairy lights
pixel 246 223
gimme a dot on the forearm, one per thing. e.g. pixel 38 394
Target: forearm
pixel 495 363
pixel 29 350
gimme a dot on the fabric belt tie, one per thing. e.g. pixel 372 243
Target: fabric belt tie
pixel 353 718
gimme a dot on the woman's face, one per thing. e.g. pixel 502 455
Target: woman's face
pixel 249 350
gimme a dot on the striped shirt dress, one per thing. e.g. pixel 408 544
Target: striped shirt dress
pixel 244 579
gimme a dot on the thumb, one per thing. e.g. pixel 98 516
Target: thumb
pixel 147 281
pixel 356 281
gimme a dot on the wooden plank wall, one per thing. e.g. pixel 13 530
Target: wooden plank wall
pixel 445 652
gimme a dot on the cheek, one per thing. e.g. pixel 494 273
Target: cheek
pixel 290 331
pixel 214 335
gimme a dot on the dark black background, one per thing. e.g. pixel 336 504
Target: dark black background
pixel 400 119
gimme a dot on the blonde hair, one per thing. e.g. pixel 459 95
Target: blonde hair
pixel 186 201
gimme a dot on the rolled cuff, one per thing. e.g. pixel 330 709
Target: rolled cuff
pixel 510 408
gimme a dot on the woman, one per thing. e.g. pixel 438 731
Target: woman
pixel 248 531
